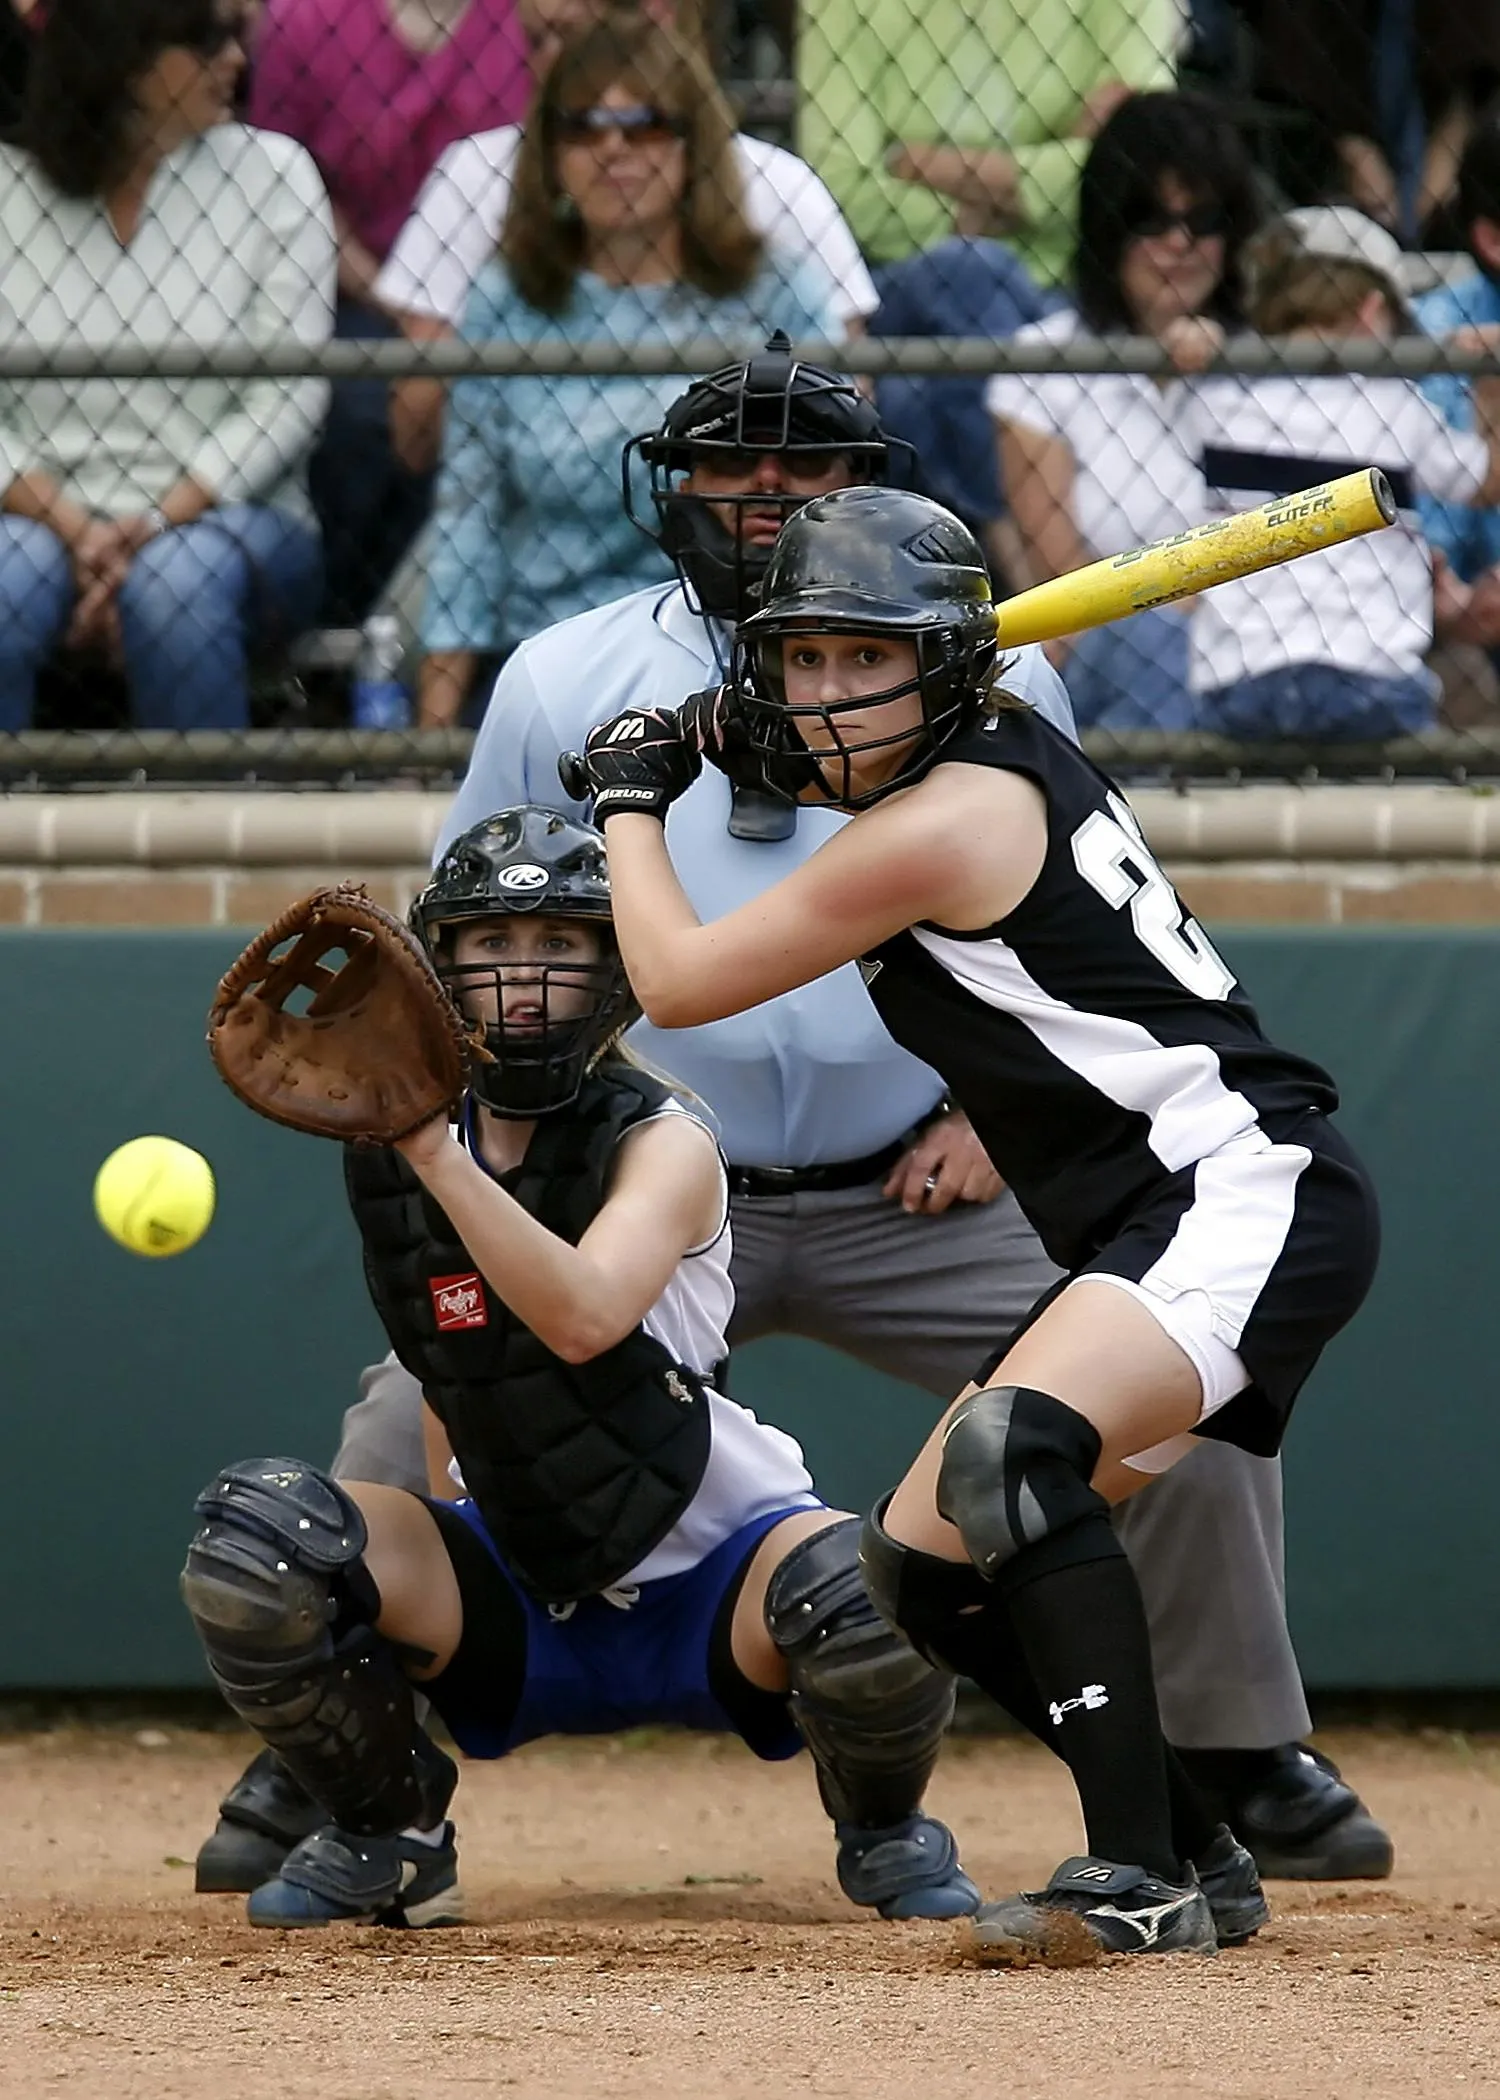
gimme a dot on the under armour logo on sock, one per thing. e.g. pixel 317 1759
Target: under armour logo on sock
pixel 1092 1695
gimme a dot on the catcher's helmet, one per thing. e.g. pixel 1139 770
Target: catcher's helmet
pixel 771 403
pixel 869 561
pixel 529 862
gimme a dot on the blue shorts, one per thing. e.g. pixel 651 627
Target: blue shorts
pixel 595 1667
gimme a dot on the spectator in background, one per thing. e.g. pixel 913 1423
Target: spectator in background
pixel 163 521
pixel 457 220
pixel 1331 646
pixel 626 225
pixel 375 90
pixel 1465 539
pixel 1096 464
pixel 966 286
pixel 1389 90
pixel 933 117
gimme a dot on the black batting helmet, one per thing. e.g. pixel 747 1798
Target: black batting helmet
pixel 880 562
pixel 529 862
pixel 772 403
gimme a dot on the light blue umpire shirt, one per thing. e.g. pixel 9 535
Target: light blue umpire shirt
pixel 808 1078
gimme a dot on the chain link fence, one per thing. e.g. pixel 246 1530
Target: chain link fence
pixel 323 328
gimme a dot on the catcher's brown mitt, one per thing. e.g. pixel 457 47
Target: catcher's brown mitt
pixel 378 1050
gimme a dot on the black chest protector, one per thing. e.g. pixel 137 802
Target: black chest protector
pixel 578 1470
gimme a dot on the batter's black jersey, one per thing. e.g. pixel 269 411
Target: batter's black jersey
pixel 1095 1037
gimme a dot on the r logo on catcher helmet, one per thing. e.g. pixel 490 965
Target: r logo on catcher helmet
pixel 525 875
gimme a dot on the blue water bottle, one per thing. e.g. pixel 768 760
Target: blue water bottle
pixel 377 698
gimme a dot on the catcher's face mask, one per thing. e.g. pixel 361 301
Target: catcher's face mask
pixel 549 994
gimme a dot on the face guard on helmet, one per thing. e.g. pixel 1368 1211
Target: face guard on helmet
pixel 873 561
pixel 773 404
pixel 529 863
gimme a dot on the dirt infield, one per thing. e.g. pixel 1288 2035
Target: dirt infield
pixel 661 1918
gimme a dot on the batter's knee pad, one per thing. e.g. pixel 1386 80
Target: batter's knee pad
pixel 1016 1471
pixel 871 1710
pixel 285 1609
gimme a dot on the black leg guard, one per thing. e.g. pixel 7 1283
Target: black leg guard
pixel 873 1713
pixel 285 1609
pixel 870 1709
pixel 927 1597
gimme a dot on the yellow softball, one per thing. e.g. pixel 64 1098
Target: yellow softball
pixel 154 1195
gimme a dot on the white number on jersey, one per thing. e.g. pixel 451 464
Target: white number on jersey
pixel 1114 859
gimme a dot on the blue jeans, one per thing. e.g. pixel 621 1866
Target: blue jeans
pixel 194 603
pixel 1133 674
pixel 1318 701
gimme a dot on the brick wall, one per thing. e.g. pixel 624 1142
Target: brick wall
pixel 1416 855
pixel 192 896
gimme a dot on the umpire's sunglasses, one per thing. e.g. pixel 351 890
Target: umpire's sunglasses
pixel 639 122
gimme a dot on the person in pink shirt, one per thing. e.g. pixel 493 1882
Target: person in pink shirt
pixel 376 90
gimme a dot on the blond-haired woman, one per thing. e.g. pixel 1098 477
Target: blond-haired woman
pixel 626 225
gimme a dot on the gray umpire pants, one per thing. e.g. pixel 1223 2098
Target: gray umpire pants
pixel 927 1299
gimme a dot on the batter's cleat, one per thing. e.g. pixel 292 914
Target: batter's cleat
pixel 1227 1877
pixel 333 1878
pixel 262 1816
pixel 1291 1807
pixel 1092 1907
pixel 910 1870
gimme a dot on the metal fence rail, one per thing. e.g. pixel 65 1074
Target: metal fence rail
pixel 35 760
pixel 915 357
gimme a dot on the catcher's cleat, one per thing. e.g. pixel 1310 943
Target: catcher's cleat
pixel 1298 1816
pixel 333 1878
pixel 1092 1907
pixel 1227 1877
pixel 262 1816
pixel 908 1871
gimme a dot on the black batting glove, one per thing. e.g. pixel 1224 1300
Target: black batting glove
pixel 723 737
pixel 642 761
pixel 746 746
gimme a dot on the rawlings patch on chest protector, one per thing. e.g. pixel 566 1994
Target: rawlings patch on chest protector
pixel 458 1301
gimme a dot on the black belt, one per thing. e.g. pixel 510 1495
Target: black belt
pixel 796 1181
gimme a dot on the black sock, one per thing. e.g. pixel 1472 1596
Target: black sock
pixel 1081 1627
pixel 1194 1825
pixel 984 1646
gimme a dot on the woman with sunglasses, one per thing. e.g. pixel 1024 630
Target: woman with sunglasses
pixel 626 225
pixel 1015 932
pixel 161 523
pixel 1094 464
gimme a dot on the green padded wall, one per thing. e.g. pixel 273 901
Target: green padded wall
pixel 123 1382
